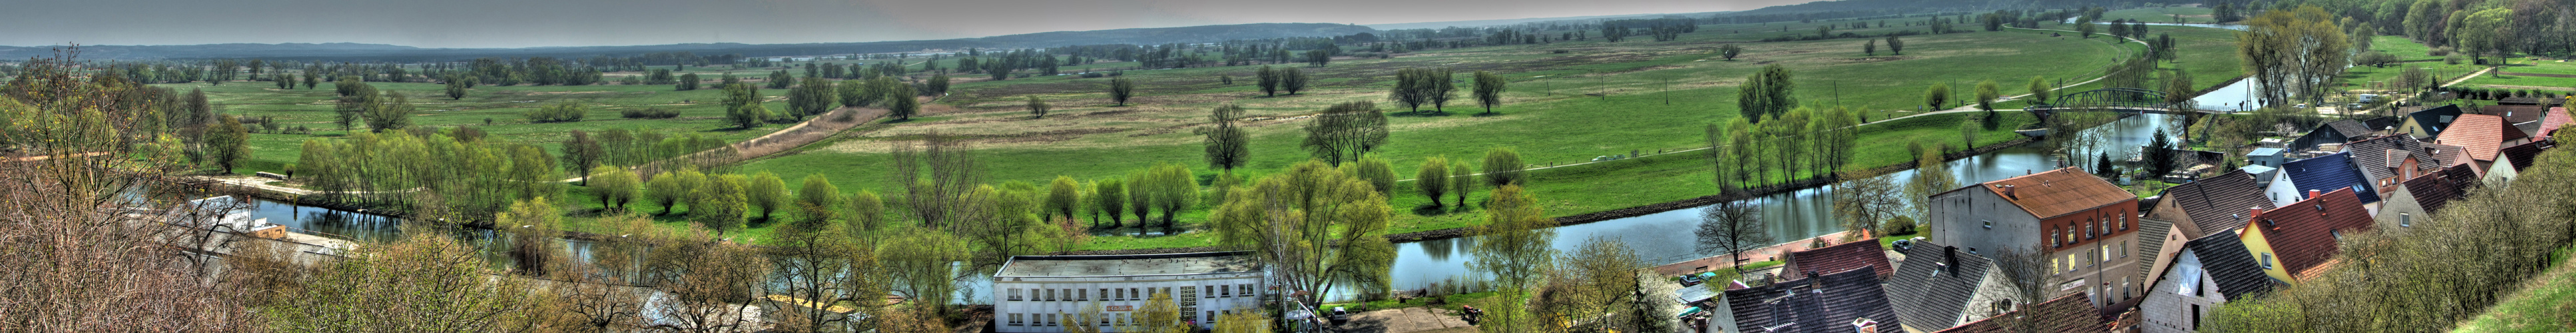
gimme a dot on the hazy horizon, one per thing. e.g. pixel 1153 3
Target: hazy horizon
pixel 519 24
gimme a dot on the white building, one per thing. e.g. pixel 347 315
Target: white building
pixel 1035 293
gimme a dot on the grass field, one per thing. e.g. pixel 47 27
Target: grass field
pixel 2542 305
pixel 2526 65
pixel 1569 102
pixel 502 106
pixel 2160 14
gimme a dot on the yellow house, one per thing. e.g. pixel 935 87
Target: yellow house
pixel 2299 239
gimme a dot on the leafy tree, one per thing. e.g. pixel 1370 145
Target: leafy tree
pixel 1895 45
pixel 455 88
pixel 867 213
pixel 2039 90
pixel 389 115
pixel 1062 198
pixel 1374 170
pixel 1038 108
pixel 1931 176
pixel 614 186
pixel 1268 80
pixel 818 202
pixel 666 190
pixel 1869 47
pixel 310 81
pixel 425 282
pixel 1503 168
pixel 687 82
pixel 2084 27
pixel 1433 179
pixel 936 86
pixel 899 100
pixel 1316 227
pixel 1937 97
pixel 722 204
pixel 920 263
pixel 742 106
pixel 1228 146
pixel 1292 80
pixel 1442 87
pixel 228 143
pixel 766 192
pixel 780 79
pixel 1462 182
pixel 1512 247
pixel 1161 315
pixel 810 98
pixel 1767 93
pixel 1489 90
pixel 1729 51
pixel 1173 189
pixel 1986 95
pixel 1345 131
pixel 1862 203
pixel 1121 89
pixel 1318 57
pixel 1111 196
pixel 581 153
pixel 1411 88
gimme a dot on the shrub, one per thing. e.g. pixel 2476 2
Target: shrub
pixel 649 113
pixel 566 112
pixel 1091 75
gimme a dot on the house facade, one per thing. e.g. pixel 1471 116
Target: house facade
pixel 2086 226
pixel 2324 173
pixel 1035 294
pixel 2206 274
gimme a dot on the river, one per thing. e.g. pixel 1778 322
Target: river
pixel 1658 238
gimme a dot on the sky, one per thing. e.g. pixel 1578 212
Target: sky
pixel 537 23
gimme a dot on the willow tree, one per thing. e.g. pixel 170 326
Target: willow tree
pixel 1767 93
pixel 1512 247
pixel 1345 131
pixel 1316 227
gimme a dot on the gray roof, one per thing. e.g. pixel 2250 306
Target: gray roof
pixel 2436 119
pixel 1130 265
pixel 1929 295
pixel 2218 203
pixel 2348 127
pixel 1816 304
pixel 2377 156
pixel 2225 258
pixel 2151 236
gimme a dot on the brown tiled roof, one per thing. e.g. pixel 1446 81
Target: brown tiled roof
pixel 1827 302
pixel 2516 114
pixel 2432 190
pixel 2521 155
pixel 2059 192
pixel 2480 134
pixel 2072 313
pixel 2303 233
pixel 2218 203
pixel 2550 122
pixel 1864 253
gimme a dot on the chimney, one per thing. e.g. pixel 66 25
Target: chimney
pixel 2312 194
pixel 1950 258
pixel 2253 212
pixel 2008 193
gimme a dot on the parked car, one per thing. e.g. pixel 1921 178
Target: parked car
pixel 1341 315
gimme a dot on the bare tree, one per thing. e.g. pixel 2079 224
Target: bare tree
pixel 1732 227
pixel 2028 280
pixel 937 173
pixel 1862 203
pixel 1345 131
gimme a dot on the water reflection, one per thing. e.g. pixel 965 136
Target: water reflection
pixel 1666 237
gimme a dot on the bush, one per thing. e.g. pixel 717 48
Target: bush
pixel 1091 75
pixel 2451 60
pixel 649 113
pixel 566 112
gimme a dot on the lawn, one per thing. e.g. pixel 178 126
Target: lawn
pixel 2160 14
pixel 2542 305
pixel 2525 65
pixel 496 110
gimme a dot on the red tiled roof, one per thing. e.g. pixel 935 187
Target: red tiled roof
pixel 2303 234
pixel 2480 134
pixel 2515 114
pixel 2072 313
pixel 2059 192
pixel 2557 117
pixel 1837 258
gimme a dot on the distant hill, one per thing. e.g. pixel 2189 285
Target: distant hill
pixel 1487 23
pixel 381 52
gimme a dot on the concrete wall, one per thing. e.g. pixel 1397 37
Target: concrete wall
pixel 2398 208
pixel 1960 218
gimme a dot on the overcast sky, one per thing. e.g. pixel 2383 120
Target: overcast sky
pixel 530 23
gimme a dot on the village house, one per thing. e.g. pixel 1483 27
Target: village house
pixel 2332 132
pixel 1838 302
pixel 2212 204
pixel 2511 160
pixel 2429 123
pixel 2086 226
pixel 2066 314
pixel 1865 253
pixel 1939 287
pixel 2386 160
pixel 2207 273
pixel 2319 174
pixel 2417 199
pixel 2298 239
pixel 2482 136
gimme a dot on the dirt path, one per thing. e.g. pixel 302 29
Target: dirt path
pixel 804 133
pixel 2470 76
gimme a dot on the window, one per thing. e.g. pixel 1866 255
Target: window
pixel 1207 291
pixel 1015 295
pixel 1133 294
pixel 1049 295
pixel 1015 319
pixel 1050 320
pixel 1229 292
pixel 1081 294
pixel 1211 316
pixel 2267 260
pixel 1247 289
pixel 2405 220
pixel 2124 249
